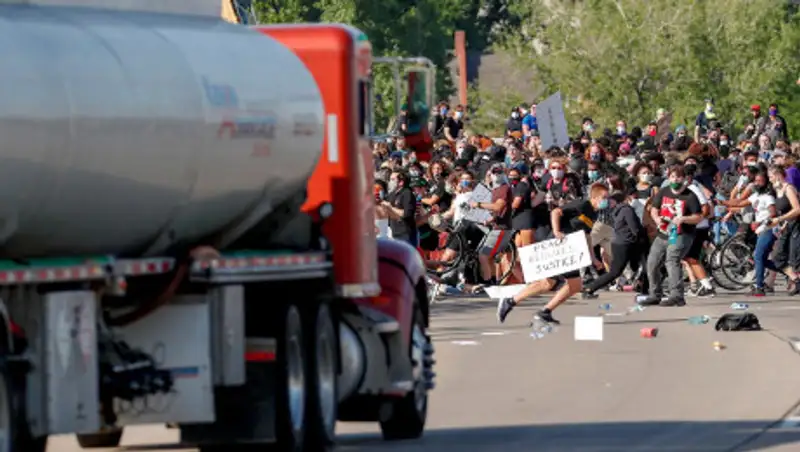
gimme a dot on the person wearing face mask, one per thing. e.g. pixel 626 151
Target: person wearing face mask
pixel 763 203
pixel 703 120
pixel 622 131
pixel 438 117
pixel 676 211
pixel 643 188
pixel 576 216
pixel 787 247
pixel 497 239
pixel 629 244
pixel 454 125
pixel 529 124
pixel 701 284
pixel 437 196
pixel 381 219
pixel 521 208
pixel 400 207
pixel 514 124
pixel 776 124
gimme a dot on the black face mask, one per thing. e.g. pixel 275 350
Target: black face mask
pixel 760 188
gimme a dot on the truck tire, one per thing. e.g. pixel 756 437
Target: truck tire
pixel 14 431
pixel 290 394
pixel 110 438
pixel 323 354
pixel 408 415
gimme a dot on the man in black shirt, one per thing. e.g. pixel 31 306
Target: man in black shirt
pixel 676 211
pixel 577 215
pixel 401 207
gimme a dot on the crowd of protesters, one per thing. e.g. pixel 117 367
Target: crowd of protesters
pixel 647 198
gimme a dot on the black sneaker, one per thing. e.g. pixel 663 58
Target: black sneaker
pixel 757 292
pixel 796 289
pixel 768 289
pixel 650 301
pixel 546 317
pixel 704 292
pixel 504 306
pixel 673 302
pixel 586 295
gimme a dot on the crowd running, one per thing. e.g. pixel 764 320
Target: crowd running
pixel 669 213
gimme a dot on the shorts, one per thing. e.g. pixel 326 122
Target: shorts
pixel 561 280
pixel 496 241
pixel 700 237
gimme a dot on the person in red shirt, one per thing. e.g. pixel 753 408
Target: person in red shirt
pixel 498 238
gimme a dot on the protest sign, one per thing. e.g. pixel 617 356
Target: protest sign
pixel 554 257
pixel 480 194
pixel 551 122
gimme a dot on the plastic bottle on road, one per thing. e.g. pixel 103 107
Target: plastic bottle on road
pixel 699 320
pixel 740 306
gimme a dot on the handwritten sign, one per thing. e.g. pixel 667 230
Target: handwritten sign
pixel 480 194
pixel 553 257
pixel 551 121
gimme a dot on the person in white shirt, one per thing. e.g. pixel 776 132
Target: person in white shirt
pixel 697 273
pixel 762 200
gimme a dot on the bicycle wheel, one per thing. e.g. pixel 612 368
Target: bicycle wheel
pixel 511 254
pixel 455 241
pixel 738 263
pixel 718 276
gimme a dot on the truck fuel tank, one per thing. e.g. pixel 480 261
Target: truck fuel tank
pixel 129 132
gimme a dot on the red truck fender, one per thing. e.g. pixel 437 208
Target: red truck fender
pixel 401 274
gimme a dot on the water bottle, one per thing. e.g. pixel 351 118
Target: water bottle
pixel 740 306
pixel 673 234
pixel 699 320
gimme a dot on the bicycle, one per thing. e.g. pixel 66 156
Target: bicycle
pixel 467 252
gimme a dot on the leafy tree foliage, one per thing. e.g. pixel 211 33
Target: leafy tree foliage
pixel 624 59
pixel 394 27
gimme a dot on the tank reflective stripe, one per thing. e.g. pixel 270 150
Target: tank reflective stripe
pixel 135 267
pixel 78 273
pixel 255 262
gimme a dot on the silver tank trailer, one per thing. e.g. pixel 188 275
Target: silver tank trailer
pixel 126 133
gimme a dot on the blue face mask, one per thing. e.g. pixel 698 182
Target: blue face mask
pixel 593 175
pixel 419 198
pixel 603 204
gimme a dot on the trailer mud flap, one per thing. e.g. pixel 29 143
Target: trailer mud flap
pixel 243 413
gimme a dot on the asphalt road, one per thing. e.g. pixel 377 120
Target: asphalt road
pixel 499 389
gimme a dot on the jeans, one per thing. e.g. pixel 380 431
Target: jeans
pixel 761 256
pixel 664 253
pixel 730 227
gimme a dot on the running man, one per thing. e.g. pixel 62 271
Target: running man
pixel 577 215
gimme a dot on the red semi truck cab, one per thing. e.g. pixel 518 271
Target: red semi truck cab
pixel 340 59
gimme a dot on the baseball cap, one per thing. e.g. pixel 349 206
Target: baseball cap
pixel 755 107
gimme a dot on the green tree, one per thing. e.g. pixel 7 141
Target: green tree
pixel 624 59
pixel 394 27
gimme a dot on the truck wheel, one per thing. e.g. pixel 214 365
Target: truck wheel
pixel 408 416
pixel 291 383
pixel 109 438
pixel 323 402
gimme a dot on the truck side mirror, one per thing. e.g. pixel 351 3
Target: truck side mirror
pixel 416 105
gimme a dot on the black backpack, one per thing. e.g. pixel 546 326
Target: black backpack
pixel 738 322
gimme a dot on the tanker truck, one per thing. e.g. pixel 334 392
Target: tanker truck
pixel 159 259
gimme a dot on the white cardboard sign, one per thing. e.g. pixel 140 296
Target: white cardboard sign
pixel 480 194
pixel 554 257
pixel 551 122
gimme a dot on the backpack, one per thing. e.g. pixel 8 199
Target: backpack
pixel 738 322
